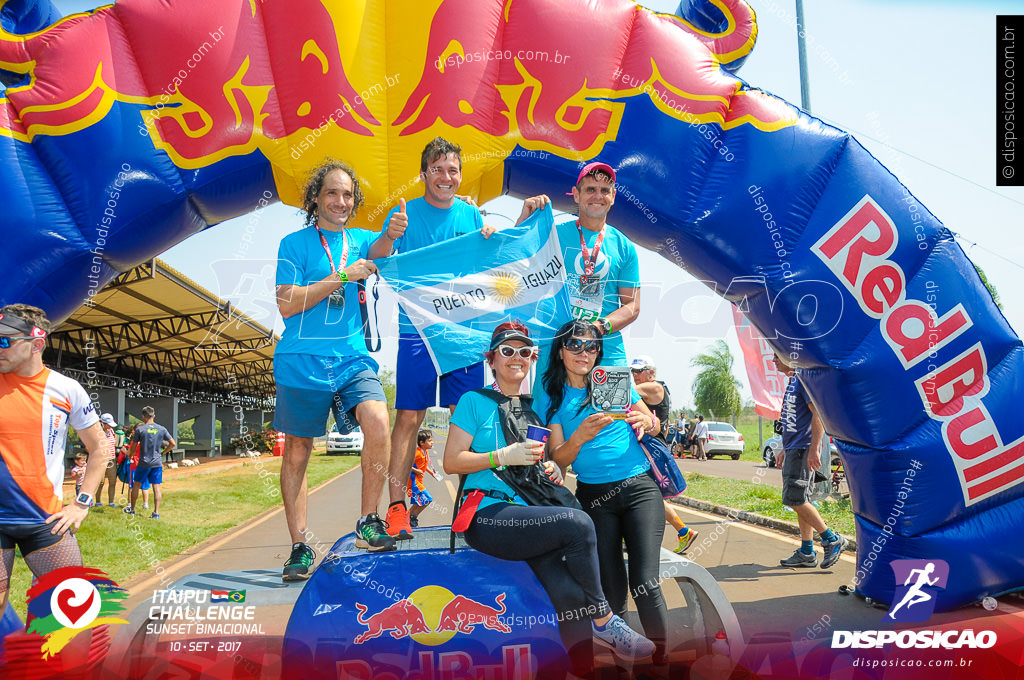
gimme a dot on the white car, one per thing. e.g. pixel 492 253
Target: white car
pixel 723 440
pixel 345 443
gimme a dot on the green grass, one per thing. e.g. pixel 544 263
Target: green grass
pixel 194 508
pixel 764 500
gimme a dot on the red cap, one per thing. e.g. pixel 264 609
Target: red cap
pixel 591 167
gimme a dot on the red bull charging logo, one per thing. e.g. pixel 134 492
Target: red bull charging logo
pixel 432 615
pixel 205 81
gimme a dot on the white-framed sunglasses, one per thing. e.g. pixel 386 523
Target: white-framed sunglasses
pixel 508 351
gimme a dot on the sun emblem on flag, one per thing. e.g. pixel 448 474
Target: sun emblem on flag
pixel 506 288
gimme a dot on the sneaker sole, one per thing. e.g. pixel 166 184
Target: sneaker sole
pixel 804 565
pixel 616 653
pixel 401 536
pixel 360 543
pixel 291 578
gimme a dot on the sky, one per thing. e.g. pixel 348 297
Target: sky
pixel 913 81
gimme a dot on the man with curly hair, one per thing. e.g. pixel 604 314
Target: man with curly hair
pixel 321 363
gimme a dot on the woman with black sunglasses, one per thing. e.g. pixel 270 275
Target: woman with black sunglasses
pixel 557 542
pixel 613 483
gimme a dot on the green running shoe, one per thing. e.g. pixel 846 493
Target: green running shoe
pixel 299 563
pixel 372 534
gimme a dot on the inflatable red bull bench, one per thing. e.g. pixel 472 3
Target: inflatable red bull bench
pixel 423 612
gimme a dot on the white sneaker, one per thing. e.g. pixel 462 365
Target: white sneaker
pixel 145 506
pixel 623 641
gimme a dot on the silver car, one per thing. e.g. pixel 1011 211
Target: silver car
pixel 773 446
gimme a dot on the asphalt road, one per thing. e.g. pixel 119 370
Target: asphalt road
pixel 774 605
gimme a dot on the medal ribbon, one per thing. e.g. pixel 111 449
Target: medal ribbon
pixel 327 249
pixel 590 259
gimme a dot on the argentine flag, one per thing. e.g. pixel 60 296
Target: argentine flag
pixel 458 291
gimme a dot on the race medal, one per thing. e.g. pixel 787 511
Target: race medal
pixel 609 390
pixel 337 299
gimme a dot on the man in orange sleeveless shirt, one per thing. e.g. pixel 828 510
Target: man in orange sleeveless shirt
pixel 36 407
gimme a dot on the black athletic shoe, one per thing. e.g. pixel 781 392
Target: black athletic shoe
pixel 373 534
pixel 299 563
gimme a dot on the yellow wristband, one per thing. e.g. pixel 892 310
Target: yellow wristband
pixel 343 276
pixel 494 463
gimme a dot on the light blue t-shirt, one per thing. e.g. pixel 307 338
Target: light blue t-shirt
pixel 324 330
pixel 429 225
pixel 613 455
pixel 616 267
pixel 477 415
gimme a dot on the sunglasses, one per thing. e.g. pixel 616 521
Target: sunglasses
pixel 5 340
pixel 578 345
pixel 508 351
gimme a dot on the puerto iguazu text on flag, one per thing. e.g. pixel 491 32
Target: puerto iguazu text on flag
pixel 458 291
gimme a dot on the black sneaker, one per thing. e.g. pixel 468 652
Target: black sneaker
pixel 298 564
pixel 372 534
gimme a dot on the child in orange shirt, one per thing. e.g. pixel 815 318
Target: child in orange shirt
pixel 421 498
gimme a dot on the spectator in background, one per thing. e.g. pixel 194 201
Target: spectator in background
pixel 78 471
pixel 115 436
pixel 151 438
pixel 700 438
pixel 657 397
pixel 802 433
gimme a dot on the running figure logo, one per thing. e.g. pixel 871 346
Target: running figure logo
pixel 914 600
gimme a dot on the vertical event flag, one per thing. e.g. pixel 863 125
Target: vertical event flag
pixel 766 383
pixel 458 291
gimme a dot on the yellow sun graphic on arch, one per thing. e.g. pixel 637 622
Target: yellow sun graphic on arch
pixel 505 287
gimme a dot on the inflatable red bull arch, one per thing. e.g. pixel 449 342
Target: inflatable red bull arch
pixel 127 129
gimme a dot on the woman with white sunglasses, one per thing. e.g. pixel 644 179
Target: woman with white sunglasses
pixel 613 483
pixel 557 542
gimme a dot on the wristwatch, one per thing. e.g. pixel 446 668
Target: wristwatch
pixel 604 325
pixel 84 499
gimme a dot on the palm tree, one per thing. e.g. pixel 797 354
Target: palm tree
pixel 715 390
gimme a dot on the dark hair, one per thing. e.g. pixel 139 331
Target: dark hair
pixel 315 182
pixel 423 436
pixel 33 315
pixel 597 174
pixel 502 327
pixel 148 412
pixel 556 375
pixel 439 147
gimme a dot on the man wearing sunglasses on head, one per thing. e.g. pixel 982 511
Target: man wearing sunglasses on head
pixel 36 407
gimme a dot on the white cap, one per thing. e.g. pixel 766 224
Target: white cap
pixel 641 362
pixel 108 419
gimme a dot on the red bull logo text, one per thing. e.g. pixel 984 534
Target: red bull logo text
pixel 857 251
pixel 516 664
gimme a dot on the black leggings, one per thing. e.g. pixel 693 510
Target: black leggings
pixel 631 509
pixel 560 546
